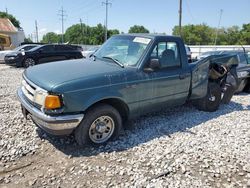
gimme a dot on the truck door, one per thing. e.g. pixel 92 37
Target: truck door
pixel 171 81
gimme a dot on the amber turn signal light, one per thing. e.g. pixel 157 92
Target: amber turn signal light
pixel 52 102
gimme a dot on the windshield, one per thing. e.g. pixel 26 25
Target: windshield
pixel 19 48
pixel 127 50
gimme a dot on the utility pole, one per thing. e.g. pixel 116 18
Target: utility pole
pixel 6 10
pixel 217 30
pixel 107 3
pixel 62 18
pixel 180 17
pixel 36 31
pixel 82 30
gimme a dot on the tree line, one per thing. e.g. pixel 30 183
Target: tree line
pixel 203 34
pixel 84 34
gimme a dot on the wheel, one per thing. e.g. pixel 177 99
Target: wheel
pixel 228 94
pixel 28 62
pixel 247 87
pixel 100 124
pixel 211 101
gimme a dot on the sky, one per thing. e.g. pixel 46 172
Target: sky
pixel 158 16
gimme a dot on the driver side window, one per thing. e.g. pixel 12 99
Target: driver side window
pixel 167 53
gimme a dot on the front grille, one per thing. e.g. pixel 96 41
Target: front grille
pixel 28 91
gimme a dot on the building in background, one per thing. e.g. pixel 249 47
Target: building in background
pixel 16 35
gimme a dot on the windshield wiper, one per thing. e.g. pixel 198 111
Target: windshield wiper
pixel 114 60
pixel 93 56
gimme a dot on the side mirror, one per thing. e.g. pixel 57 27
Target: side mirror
pixel 152 65
pixel 40 51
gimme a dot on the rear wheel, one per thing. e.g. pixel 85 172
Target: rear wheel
pixel 211 101
pixel 28 62
pixel 100 124
pixel 228 94
pixel 247 87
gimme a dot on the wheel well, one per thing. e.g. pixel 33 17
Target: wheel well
pixel 118 104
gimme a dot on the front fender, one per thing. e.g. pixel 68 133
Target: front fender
pixel 80 101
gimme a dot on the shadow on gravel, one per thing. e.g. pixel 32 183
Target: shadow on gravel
pixel 146 128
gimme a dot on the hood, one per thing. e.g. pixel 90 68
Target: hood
pixel 13 53
pixel 51 75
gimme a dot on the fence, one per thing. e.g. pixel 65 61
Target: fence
pixel 197 50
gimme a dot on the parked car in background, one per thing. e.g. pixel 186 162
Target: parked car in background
pixel 44 54
pixel 243 69
pixel 90 51
pixel 189 53
pixel 16 50
pixel 209 53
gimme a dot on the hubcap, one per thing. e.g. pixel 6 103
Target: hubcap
pixel 101 129
pixel 212 98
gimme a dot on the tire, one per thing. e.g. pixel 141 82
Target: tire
pixel 211 101
pixel 103 117
pixel 228 94
pixel 28 62
pixel 247 87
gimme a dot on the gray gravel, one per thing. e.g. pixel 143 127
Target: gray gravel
pixel 179 147
pixel 18 136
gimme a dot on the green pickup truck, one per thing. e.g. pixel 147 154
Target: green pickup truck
pixel 128 76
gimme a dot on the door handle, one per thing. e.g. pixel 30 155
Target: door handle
pixel 183 76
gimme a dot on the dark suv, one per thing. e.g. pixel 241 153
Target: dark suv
pixel 43 54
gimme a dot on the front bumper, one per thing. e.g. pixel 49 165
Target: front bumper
pixel 56 125
pixel 16 61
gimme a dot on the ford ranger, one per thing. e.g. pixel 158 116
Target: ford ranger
pixel 128 76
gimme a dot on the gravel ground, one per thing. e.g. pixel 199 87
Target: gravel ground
pixel 178 147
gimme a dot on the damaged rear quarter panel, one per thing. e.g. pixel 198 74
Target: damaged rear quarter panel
pixel 199 83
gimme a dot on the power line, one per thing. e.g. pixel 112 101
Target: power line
pixel 189 11
pixel 107 3
pixel 62 18
pixel 217 30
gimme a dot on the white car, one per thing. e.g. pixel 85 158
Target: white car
pixel 90 51
pixel 25 47
pixel 189 53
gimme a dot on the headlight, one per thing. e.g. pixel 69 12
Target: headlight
pixel 40 96
pixel 49 102
pixel 11 58
pixel 242 74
